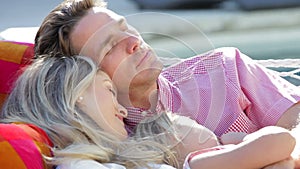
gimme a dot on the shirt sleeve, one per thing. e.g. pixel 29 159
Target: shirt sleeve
pixel 270 95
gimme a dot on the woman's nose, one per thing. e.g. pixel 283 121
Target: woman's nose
pixel 133 44
pixel 122 111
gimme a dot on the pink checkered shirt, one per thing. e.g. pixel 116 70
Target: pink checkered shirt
pixel 224 90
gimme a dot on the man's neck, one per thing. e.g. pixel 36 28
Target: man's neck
pixel 144 97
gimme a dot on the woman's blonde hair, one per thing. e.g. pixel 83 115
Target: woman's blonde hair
pixel 46 95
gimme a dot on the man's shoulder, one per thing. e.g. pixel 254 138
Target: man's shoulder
pixel 219 52
pixel 228 49
pixel 222 52
pixel 204 61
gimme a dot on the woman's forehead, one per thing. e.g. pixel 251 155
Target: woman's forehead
pixel 103 76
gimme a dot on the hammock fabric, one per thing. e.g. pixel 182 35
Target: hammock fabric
pixel 22 146
pixel 13 57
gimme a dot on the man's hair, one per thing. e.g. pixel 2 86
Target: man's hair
pixel 53 35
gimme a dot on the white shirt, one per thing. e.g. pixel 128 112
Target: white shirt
pixel 91 164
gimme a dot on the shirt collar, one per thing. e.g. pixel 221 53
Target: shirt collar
pixel 164 95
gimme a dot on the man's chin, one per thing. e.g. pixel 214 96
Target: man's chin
pixel 146 77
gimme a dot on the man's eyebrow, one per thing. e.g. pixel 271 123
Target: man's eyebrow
pixel 107 40
pixel 110 36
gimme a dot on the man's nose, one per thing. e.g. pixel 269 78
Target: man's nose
pixel 133 44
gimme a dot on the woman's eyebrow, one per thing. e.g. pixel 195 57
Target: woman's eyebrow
pixel 121 21
pixel 110 81
pixel 107 79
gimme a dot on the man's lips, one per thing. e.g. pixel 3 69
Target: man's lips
pixel 144 58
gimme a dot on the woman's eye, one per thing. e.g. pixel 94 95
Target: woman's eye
pixel 107 52
pixel 113 92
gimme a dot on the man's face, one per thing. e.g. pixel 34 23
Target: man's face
pixel 117 48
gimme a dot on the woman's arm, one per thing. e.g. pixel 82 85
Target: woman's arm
pixel 286 164
pixel 259 149
pixel 291 120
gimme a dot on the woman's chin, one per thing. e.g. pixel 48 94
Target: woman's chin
pixel 122 135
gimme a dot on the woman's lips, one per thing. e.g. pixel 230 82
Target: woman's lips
pixel 119 117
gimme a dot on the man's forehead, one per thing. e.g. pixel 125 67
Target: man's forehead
pixel 105 35
pixel 103 19
pixel 97 19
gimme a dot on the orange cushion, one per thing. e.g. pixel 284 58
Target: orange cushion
pixel 22 146
pixel 14 56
